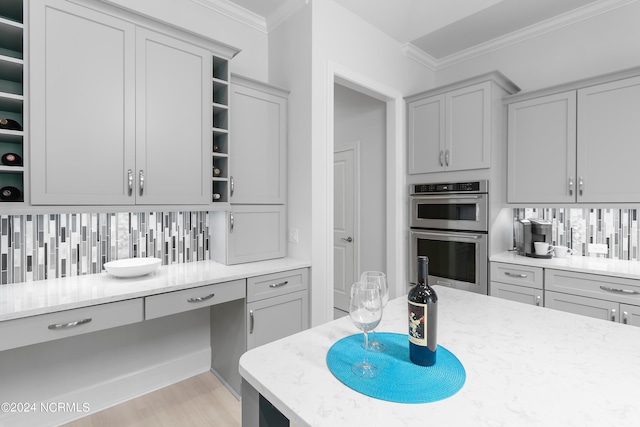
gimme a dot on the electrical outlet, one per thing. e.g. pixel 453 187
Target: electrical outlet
pixel 598 248
pixel 293 235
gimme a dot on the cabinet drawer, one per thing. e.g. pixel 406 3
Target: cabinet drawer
pixel 53 326
pixel 194 298
pixel 520 275
pixel 272 285
pixel 593 285
pixel 592 307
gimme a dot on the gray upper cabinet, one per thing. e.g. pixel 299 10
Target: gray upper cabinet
pixel 118 113
pixel 258 143
pixel 451 128
pixel 578 145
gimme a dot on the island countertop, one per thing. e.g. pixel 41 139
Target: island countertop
pixel 524 365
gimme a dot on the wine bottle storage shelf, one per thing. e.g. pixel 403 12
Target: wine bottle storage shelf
pixel 220 92
pixel 12 178
pixel 220 148
pixel 11 10
pixel 220 191
pixel 220 164
pixel 220 69
pixel 220 119
pixel 10 147
pixel 220 143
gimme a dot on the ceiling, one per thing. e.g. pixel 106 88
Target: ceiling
pixel 439 28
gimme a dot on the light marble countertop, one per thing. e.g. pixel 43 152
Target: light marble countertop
pixel 525 365
pixel 580 264
pixel 46 296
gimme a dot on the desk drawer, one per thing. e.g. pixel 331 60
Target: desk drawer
pixel 515 274
pixel 272 285
pixel 62 324
pixel 194 298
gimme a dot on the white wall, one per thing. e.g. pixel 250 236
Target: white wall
pixel 251 62
pixel 361 118
pixel 601 44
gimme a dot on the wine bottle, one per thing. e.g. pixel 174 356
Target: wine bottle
pixel 10 194
pixel 216 171
pixel 423 318
pixel 11 159
pixel 9 124
pixel 216 196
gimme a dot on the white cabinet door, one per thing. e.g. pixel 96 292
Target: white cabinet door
pixel 630 314
pixel 173 119
pixel 426 138
pixel 516 293
pixel 468 128
pixel 541 149
pixel 249 233
pixel 608 141
pixel 82 105
pixel 592 307
pixel 274 318
pixel 258 142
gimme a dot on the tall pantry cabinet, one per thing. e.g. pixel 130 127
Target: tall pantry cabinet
pixel 104 133
pixel 256 221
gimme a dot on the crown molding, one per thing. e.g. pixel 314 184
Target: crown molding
pixel 570 18
pixel 420 56
pixel 284 12
pixel 236 12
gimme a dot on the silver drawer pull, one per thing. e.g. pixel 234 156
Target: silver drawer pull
pixel 199 299
pixel 613 315
pixel 521 276
pixel 538 300
pixel 277 285
pixel 70 324
pixel 620 291
pixel 251 321
pixel 625 317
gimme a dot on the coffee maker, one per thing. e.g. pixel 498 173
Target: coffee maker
pixel 529 231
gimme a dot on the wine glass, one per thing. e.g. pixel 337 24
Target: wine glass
pixel 379 279
pixel 365 310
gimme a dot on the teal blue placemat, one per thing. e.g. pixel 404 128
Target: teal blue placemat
pixel 400 380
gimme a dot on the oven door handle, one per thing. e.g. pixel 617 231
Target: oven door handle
pixel 457 197
pixel 456 235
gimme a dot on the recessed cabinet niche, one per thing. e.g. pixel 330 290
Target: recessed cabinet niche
pixel 576 143
pixel 121 115
pixel 12 183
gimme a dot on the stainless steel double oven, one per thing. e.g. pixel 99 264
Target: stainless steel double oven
pixel 449 224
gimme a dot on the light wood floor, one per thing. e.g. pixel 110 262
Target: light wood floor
pixel 197 401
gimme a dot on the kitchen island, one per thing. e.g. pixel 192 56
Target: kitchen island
pixel 524 365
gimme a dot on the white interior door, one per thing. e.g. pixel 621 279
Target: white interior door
pixel 345 243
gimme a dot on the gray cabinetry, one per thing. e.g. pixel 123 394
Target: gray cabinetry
pixel 517 283
pixel 575 143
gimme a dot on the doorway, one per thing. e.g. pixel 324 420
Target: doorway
pixel 359 190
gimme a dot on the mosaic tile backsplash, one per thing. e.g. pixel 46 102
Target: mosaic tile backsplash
pixel 576 228
pixel 38 247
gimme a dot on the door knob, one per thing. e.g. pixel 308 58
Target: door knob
pixel 348 239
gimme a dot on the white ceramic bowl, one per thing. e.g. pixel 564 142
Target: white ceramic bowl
pixel 132 267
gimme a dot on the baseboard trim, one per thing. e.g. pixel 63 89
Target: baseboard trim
pixel 113 392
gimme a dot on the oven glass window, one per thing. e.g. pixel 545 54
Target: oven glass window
pixel 451 260
pixel 454 212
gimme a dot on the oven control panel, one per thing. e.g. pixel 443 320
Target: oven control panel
pixel 452 187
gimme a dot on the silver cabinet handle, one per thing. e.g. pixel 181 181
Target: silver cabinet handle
pixel 441 158
pixel 251 321
pixel 130 179
pixel 447 157
pixel 200 299
pixel 231 186
pixel 277 285
pixel 348 239
pixel 231 222
pixel 580 185
pixel 620 291
pixel 70 324
pixel 571 186
pixel 625 317
pixel 141 178
pixel 613 314
pixel 521 276
pixel 538 300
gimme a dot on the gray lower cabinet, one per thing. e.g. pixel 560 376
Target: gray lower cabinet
pixel 604 297
pixel 517 283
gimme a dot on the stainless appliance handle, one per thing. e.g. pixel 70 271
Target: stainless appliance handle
pixel 452 198
pixel 458 236
pixel 620 291
pixel 56 326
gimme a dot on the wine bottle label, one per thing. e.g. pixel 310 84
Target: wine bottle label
pixel 418 323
